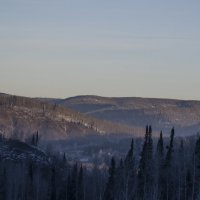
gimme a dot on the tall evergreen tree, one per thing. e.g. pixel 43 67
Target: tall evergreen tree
pixel 160 147
pixel 129 172
pixel 150 129
pixel 33 140
pixel 64 158
pixel 168 180
pixel 36 138
pixel 181 171
pixel 3 184
pixel 197 169
pixel 150 145
pixel 53 184
pixel 129 157
pixel 120 181
pixel 30 195
pixel 189 185
pixel 80 188
pixel 110 192
pixel 168 158
pixel 145 178
pixel 159 164
pixel 147 129
pixel 72 189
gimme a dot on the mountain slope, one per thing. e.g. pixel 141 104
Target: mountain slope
pixel 137 112
pixel 20 117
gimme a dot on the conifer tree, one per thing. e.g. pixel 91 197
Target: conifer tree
pixel 120 181
pixel 181 171
pixel 168 158
pixel 197 169
pixel 150 130
pixel 33 140
pixel 80 185
pixel 64 157
pixel 150 145
pixel 160 147
pixel 168 185
pixel 36 138
pixel 72 190
pixel 159 165
pixel 53 184
pixel 142 169
pixel 189 185
pixel 145 177
pixel 109 193
pixel 29 184
pixel 147 132
pixel 129 157
pixel 64 160
pixel 129 171
pixel 3 184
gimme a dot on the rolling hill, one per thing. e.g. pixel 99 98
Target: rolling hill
pixel 21 117
pixel 137 112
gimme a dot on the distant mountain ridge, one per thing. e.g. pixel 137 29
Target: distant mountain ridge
pixel 21 117
pixel 76 116
pixel 184 115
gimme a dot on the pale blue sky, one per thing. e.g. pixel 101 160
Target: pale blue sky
pixel 62 48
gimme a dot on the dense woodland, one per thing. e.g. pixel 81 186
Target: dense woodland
pixel 165 169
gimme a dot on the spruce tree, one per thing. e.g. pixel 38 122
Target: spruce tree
pixel 168 158
pixel 36 138
pixel 30 195
pixel 147 129
pixel 72 190
pixel 3 184
pixel 80 188
pixel 159 164
pixel 181 171
pixel 141 183
pixel 110 192
pixel 53 184
pixel 145 176
pixel 189 185
pixel 150 145
pixel 33 140
pixel 129 171
pixel 197 169
pixel 120 181
pixel 64 160
pixel 160 147
pixel 168 186
pixel 150 130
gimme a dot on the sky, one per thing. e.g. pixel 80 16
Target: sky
pixel 63 48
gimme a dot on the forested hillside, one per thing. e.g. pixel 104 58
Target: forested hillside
pixel 137 112
pixel 20 117
pixel 73 156
pixel 166 168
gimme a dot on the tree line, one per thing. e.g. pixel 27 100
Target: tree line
pixel 160 174
pixel 165 169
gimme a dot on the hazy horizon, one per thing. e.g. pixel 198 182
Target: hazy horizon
pixel 80 95
pixel 63 48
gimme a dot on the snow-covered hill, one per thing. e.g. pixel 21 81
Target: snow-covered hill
pixel 16 151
